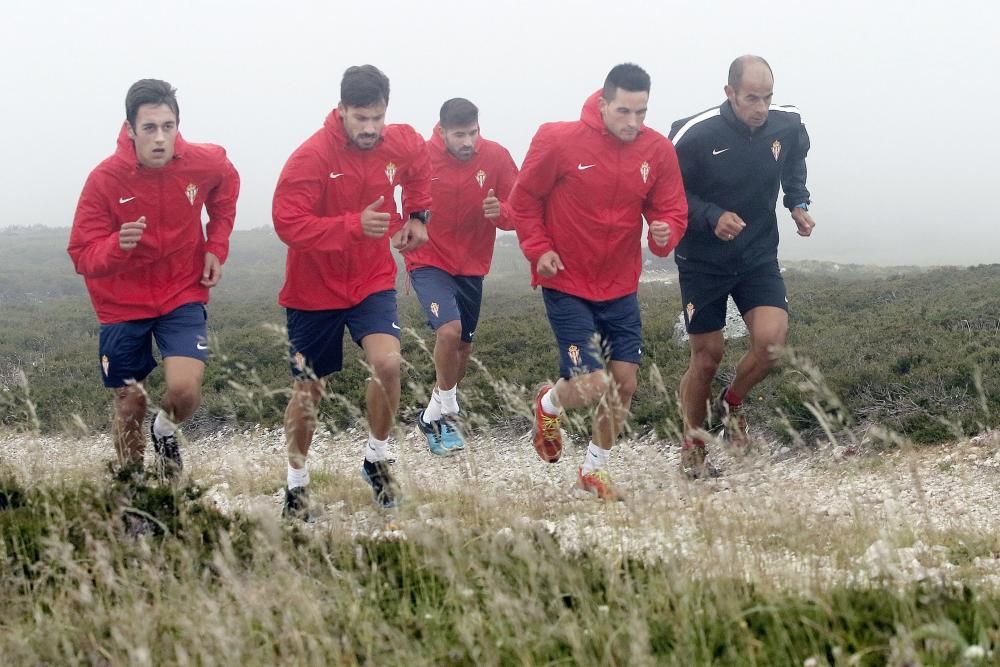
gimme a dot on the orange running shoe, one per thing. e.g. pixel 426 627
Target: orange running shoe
pixel 598 483
pixel 546 433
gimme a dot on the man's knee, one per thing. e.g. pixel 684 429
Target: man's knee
pixel 186 393
pixel 450 333
pixel 706 357
pixel 130 399
pixel 385 367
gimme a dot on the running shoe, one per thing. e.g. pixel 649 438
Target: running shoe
pixel 546 431
pixel 734 424
pixel 434 432
pixel 167 459
pixel 297 505
pixel 598 483
pixel 694 462
pixel 384 488
pixel 451 433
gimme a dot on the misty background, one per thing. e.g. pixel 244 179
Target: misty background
pixel 899 98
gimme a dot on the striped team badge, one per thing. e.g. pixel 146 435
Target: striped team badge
pixel 481 178
pixel 574 354
pixel 434 308
pixel 644 171
pixel 390 172
pixel 105 364
pixel 690 310
pixel 776 149
pixel 191 191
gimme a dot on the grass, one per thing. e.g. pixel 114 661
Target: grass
pixel 202 588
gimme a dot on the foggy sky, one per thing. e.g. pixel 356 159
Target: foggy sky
pixel 899 98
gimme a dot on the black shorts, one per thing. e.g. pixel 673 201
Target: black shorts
pixel 125 349
pixel 446 298
pixel 704 295
pixel 316 337
pixel 588 332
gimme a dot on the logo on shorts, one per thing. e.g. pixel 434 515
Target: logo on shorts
pixel 776 149
pixel 644 170
pixel 690 310
pixel 390 172
pixel 481 178
pixel 574 354
pixel 191 191
pixel 300 361
pixel 434 308
pixel 105 364
pixel 471 334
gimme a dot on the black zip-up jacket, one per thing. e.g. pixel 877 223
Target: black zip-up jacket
pixel 728 168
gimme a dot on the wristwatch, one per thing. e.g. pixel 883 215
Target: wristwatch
pixel 804 206
pixel 423 216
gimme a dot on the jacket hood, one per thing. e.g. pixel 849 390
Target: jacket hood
pixel 125 148
pixel 591 112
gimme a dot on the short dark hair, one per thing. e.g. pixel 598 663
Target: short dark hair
pixel 740 64
pixel 363 86
pixel 149 91
pixel 626 76
pixel 459 112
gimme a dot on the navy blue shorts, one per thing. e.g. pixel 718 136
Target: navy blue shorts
pixel 125 349
pixel 588 332
pixel 316 337
pixel 704 295
pixel 446 298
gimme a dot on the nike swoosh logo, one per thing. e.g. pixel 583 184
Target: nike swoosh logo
pixel 125 200
pixel 718 152
pixel 395 326
pixel 582 167
pixel 434 178
pixel 201 346
pixel 333 175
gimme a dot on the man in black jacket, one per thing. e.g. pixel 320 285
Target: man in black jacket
pixel 733 158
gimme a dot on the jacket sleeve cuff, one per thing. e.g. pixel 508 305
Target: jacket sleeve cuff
pixel 220 250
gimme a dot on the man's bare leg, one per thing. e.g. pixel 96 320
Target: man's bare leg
pixel 126 423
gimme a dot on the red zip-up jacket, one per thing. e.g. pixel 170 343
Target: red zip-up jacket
pixel 323 188
pixel 583 193
pixel 164 271
pixel 461 238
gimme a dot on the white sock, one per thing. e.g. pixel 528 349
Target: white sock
pixel 433 411
pixel 596 459
pixel 298 476
pixel 376 450
pixel 549 406
pixel 449 400
pixel 162 426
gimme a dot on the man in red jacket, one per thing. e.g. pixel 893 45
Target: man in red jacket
pixel 472 179
pixel 578 206
pixel 334 207
pixel 137 239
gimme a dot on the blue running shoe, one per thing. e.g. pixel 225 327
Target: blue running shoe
pixel 384 488
pixel 434 432
pixel 451 433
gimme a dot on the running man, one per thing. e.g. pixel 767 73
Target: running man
pixel 472 178
pixel 734 157
pixel 579 204
pixel 334 208
pixel 138 241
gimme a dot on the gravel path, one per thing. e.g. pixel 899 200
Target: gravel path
pixel 798 519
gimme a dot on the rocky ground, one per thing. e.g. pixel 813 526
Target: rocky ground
pixel 824 515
